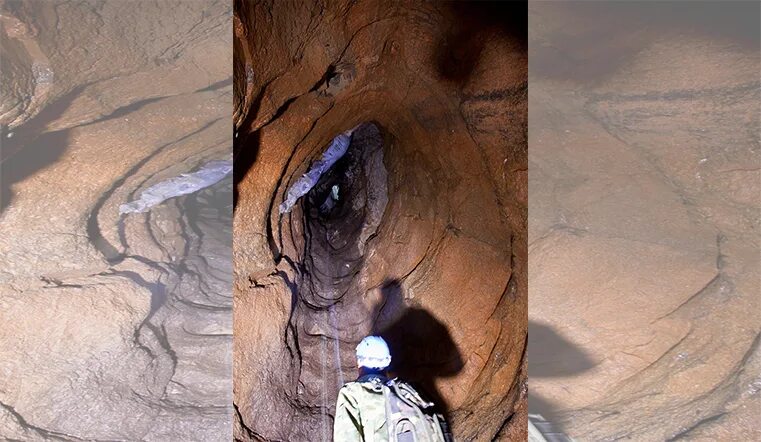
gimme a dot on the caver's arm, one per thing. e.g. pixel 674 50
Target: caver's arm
pixel 348 423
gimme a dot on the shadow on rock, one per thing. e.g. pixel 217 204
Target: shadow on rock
pixel 592 54
pixel 459 52
pixel 551 355
pixel 46 150
pixel 246 145
pixel 421 347
pixel 32 148
pixel 245 153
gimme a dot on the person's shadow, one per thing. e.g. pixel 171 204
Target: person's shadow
pixel 422 349
pixel 550 355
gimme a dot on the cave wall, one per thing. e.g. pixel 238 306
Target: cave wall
pixel 442 273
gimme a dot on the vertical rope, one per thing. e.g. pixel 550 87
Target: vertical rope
pixel 325 405
pixel 336 345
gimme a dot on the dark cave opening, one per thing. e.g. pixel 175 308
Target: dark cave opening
pixel 340 214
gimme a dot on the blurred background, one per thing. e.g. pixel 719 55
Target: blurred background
pixel 644 184
pixel 116 324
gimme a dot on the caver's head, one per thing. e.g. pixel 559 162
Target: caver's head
pixel 373 354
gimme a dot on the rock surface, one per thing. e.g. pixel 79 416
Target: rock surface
pixel 427 242
pixel 114 327
pixel 644 219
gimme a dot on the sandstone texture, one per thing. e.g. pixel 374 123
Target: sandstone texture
pixel 114 327
pixel 427 242
pixel 644 220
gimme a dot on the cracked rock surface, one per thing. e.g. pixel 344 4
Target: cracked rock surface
pixel 114 327
pixel 643 240
pixel 426 241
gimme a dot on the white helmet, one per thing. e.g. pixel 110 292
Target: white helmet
pixel 373 352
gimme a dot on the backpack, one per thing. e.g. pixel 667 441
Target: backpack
pixel 411 419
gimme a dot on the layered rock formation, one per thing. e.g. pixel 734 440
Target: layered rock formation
pixel 644 246
pixel 114 327
pixel 426 243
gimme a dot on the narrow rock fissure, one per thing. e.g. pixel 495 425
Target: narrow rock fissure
pixel 333 221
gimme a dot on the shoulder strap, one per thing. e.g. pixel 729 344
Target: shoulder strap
pixel 424 409
pixel 408 394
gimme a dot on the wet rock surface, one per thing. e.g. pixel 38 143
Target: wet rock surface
pixel 425 242
pixel 115 327
pixel 644 251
